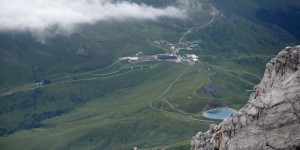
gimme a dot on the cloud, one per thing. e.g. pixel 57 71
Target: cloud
pixel 38 16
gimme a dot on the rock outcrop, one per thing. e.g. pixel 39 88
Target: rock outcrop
pixel 271 118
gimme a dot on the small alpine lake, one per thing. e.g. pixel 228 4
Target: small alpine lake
pixel 219 113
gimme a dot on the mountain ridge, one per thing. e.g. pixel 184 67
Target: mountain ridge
pixel 270 119
pixel 96 102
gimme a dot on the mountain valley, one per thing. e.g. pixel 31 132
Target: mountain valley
pixel 89 99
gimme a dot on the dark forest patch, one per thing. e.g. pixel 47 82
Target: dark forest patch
pixel 286 18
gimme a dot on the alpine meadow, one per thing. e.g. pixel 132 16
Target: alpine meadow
pixel 119 74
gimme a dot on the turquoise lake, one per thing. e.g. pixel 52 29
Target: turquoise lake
pixel 220 113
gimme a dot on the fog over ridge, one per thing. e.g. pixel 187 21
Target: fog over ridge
pixel 38 16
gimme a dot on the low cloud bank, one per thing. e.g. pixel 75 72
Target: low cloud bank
pixel 39 16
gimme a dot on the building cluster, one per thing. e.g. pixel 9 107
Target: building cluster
pixel 171 56
pixel 158 57
pixel 191 45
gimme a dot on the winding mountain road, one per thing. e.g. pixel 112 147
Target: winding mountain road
pixel 178 111
pixel 187 115
pixel 213 13
pixel 166 90
pixel 33 86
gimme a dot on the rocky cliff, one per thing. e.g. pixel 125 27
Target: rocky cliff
pixel 271 118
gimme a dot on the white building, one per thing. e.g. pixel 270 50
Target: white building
pixel 173 47
pixel 39 84
pixel 129 59
pixel 192 57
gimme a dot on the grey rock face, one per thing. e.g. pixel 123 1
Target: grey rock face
pixel 271 118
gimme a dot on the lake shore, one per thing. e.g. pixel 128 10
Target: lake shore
pixel 218 113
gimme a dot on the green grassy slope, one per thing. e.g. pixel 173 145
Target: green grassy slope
pixel 89 106
pixel 122 117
